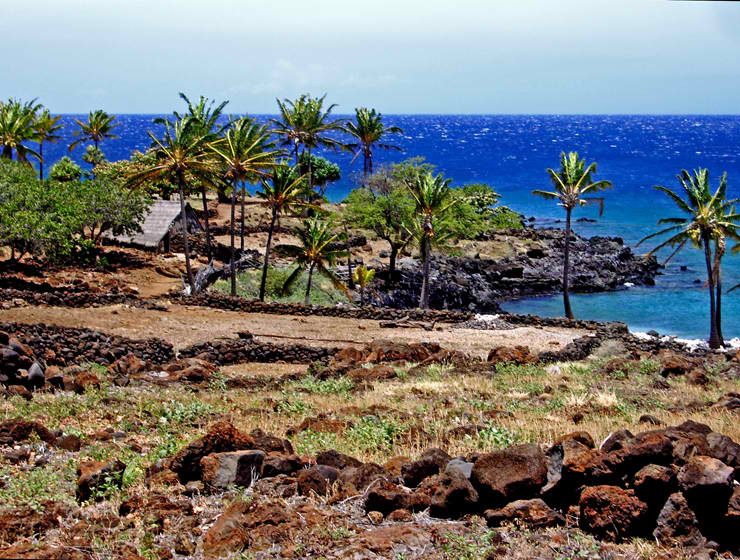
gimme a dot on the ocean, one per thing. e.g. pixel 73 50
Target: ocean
pixel 511 153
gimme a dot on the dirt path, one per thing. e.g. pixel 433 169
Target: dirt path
pixel 186 325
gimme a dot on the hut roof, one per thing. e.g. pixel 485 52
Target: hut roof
pixel 162 213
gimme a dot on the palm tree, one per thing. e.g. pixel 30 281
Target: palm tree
pixel 46 128
pixel 207 128
pixel 369 130
pixel 316 253
pixel 179 152
pixel 571 182
pixel 245 153
pixel 281 195
pixel 16 127
pixel 709 218
pixel 99 126
pixel 433 197
pixel 363 276
pixel 304 124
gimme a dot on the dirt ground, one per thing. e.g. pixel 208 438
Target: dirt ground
pixel 185 325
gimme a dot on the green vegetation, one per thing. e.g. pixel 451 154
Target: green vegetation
pixel 98 127
pixel 709 220
pixel 63 218
pixel 246 152
pixel 363 277
pixel 368 132
pixel 571 182
pixel 323 292
pixel 316 253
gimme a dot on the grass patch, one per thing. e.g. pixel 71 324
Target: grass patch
pixel 341 385
pixel 248 286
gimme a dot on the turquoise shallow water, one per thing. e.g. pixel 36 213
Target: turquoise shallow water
pixel 511 152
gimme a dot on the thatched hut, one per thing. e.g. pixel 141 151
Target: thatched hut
pixel 163 218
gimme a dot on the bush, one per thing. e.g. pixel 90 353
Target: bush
pixel 503 218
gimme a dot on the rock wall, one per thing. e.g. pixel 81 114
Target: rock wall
pixel 63 346
pixel 248 350
pixel 229 303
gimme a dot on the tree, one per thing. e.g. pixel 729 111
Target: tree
pixel 369 131
pixel 387 214
pixel 98 127
pixel 322 173
pixel 65 170
pixel 281 195
pixel 94 156
pixel 315 253
pixel 246 151
pixel 708 218
pixel 433 197
pixel 206 128
pixel 16 127
pixel 482 198
pixel 571 182
pixel 46 128
pixel 363 277
pixel 179 152
pixel 304 124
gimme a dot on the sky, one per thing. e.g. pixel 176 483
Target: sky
pixel 399 56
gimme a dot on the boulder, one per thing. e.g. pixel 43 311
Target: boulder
pixel 454 497
pixel 616 441
pixel 431 462
pixel 316 480
pixel 357 479
pixel 672 363
pixel 706 483
pixel 94 477
pixel 534 513
pixel 234 468
pixel 511 474
pixel 333 458
pixel 386 497
pixel 459 465
pixel 518 355
pixel 85 380
pixel 275 465
pixel 268 443
pixel 129 364
pixel 654 483
pixel 677 523
pixel 17 430
pixel 221 437
pixel 611 513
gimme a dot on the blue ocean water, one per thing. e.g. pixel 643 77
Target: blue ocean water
pixel 511 153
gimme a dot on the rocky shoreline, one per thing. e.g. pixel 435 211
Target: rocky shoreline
pixel 598 264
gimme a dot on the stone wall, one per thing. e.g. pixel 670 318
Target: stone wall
pixel 248 350
pixel 64 346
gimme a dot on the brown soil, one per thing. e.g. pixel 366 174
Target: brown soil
pixel 186 325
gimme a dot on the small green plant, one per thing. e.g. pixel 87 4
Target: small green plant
pixel 496 437
pixel 310 442
pixel 340 385
pixel 291 403
pixel 373 433
pixel 648 367
pixel 218 383
pixel 192 413
pixel 467 546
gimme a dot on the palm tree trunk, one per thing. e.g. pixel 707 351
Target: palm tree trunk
pixel 718 311
pixel 244 203
pixel 310 173
pixel 7 152
pixel 208 229
pixel 714 341
pixel 41 160
pixel 233 248
pixel 391 265
pixel 263 281
pixel 424 299
pixel 364 170
pixel 308 285
pixel 349 260
pixel 362 296
pixel 566 265
pixel 184 225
